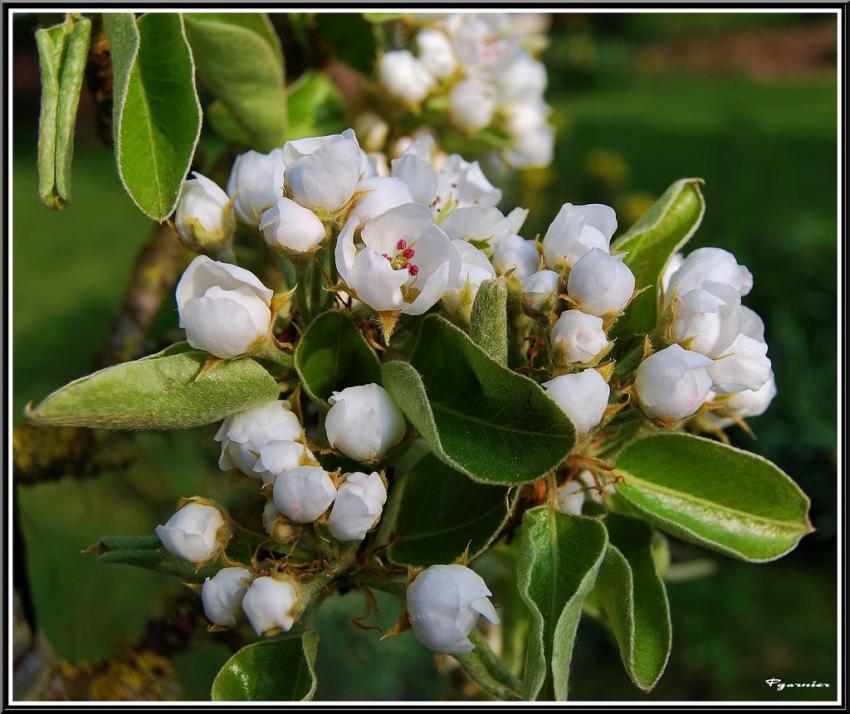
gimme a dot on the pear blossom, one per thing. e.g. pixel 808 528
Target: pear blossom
pixel 478 224
pixel 475 268
pixel 436 53
pixel 583 397
pixel 278 456
pixel 707 319
pixel 673 384
pixel 744 365
pixel 575 231
pixel 472 102
pixel 271 603
pixel 404 264
pixel 322 173
pixel 222 595
pixel 540 289
pixel 358 506
pixel 745 403
pixel 378 195
pixel 303 493
pixel 243 435
pixel 255 184
pixel 290 228
pixel 204 215
pixel 523 80
pixel 364 422
pixel 513 252
pixel 713 265
pixel 404 76
pixel 444 603
pixel 601 284
pixel 195 533
pixel 224 309
pixel 574 494
pixel 577 337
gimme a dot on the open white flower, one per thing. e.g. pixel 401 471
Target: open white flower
pixel 255 183
pixel 482 224
pixel 271 604
pixel 321 173
pixel 404 264
pixel 222 595
pixel 358 506
pixel 195 533
pixel 601 284
pixel 513 252
pixel 223 308
pixel 378 195
pixel 290 228
pixel 405 76
pixel 444 603
pixel 743 365
pixel 707 319
pixel 583 397
pixel 577 337
pixel 204 216
pixel 743 404
pixel 304 493
pixel 475 268
pixel 243 435
pixel 673 383
pixel 364 422
pixel 575 231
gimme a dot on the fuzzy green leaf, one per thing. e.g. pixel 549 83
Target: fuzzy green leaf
pixel 160 561
pixel 492 424
pixel 634 599
pixel 156 114
pixel 332 355
pixel 559 559
pixel 658 234
pixel 443 513
pixel 159 392
pixel 239 58
pixel 270 670
pixel 63 52
pixel 713 495
pixel 489 323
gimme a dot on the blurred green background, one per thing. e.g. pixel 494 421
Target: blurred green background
pixel 748 102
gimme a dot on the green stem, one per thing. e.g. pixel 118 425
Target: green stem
pixel 494 664
pixel 478 673
pixel 268 351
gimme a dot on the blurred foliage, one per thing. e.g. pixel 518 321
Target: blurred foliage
pixel 767 151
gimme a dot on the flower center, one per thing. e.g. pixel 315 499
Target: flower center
pixel 402 257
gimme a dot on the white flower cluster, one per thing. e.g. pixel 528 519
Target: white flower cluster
pixel 718 352
pixel 481 64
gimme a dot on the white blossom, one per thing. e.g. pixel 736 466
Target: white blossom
pixel 195 533
pixel 575 231
pixel 444 603
pixel 475 268
pixel 405 76
pixel 255 184
pixel 601 284
pixel 378 195
pixel 583 397
pixel 577 337
pixel 573 495
pixel 704 265
pixel 540 289
pixel 243 435
pixel 223 308
pixel 673 383
pixel 291 228
pixel 204 216
pixel 358 506
pixel 303 493
pixel 271 603
pixel 364 422
pixel 472 102
pixel 222 595
pixel 513 252
pixel 278 456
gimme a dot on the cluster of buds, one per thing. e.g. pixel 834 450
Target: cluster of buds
pixel 481 71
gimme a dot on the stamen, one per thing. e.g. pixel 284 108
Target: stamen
pixel 401 245
pixel 412 269
pixel 409 253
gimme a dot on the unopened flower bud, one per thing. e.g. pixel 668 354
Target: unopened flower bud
pixel 364 422
pixel 255 184
pixel 444 603
pixel 573 495
pixel 404 76
pixel 748 402
pixel 291 228
pixel 707 319
pixel 223 308
pixel 513 252
pixel 304 493
pixel 673 383
pixel 475 268
pixel 358 506
pixel 222 595
pixel 195 533
pixel 279 456
pixel 713 265
pixel 204 217
pixel 472 102
pixel 583 397
pixel 271 604
pixel 242 435
pixel 539 290
pixel 575 231
pixel 436 53
pixel 743 365
pixel 577 337
pixel 601 284
pixel 275 524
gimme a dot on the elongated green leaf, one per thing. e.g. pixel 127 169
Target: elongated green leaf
pixel 63 52
pixel 713 495
pixel 240 60
pixel 492 424
pixel 271 670
pixel 443 513
pixel 489 324
pixel 315 107
pixel 634 599
pixel 159 392
pixel 333 355
pixel 160 561
pixel 558 563
pixel 156 112
pixel 658 234
pixel 145 542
